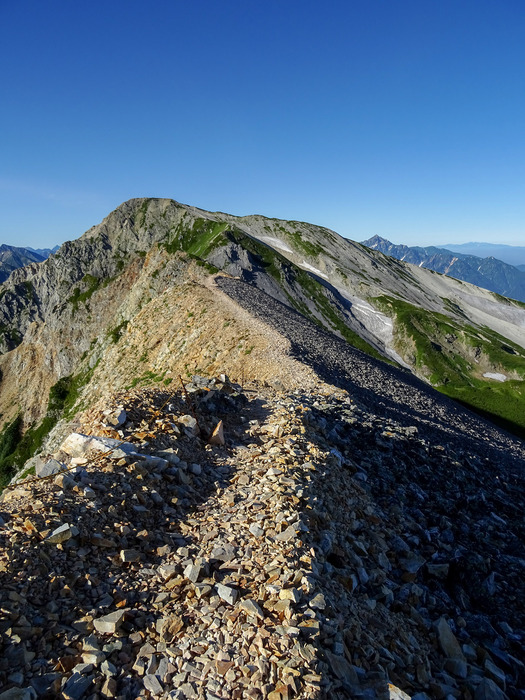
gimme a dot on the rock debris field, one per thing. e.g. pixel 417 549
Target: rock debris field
pixel 227 542
pixel 388 391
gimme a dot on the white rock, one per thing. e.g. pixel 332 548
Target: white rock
pixel 78 445
pixel 229 595
pixel 192 572
pixel 53 466
pixel 395 693
pixel 116 418
pixel 62 533
pixel 152 684
pixel 256 530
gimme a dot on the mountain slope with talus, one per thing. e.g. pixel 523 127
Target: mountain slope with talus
pixel 319 524
pixel 59 320
pixel 316 549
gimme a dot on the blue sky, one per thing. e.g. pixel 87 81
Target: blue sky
pixel 399 118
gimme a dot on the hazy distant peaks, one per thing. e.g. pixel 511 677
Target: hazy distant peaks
pixel 510 254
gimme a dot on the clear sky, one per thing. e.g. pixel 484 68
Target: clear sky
pixel 403 118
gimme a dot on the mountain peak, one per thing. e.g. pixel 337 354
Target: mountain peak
pixel 375 241
pixel 247 457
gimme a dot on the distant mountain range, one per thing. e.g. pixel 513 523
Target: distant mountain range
pixel 12 257
pixel 489 273
pixel 511 254
pixel 44 252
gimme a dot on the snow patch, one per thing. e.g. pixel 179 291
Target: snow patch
pixel 495 375
pixel 376 323
pixel 307 266
pixel 276 243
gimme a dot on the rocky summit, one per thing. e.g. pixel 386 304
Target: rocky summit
pixel 228 541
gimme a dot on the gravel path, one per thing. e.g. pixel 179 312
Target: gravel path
pixel 387 391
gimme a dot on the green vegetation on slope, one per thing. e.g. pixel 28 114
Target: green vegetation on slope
pixel 501 402
pixel 507 301
pixel 90 284
pixel 16 448
pixel 317 293
pixel 116 333
pixel 11 336
pixel 199 239
pixel 450 354
pixel 205 235
pixel 301 243
pixel 9 439
pixel 150 378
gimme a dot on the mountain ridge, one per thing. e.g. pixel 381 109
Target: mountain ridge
pixel 308 508
pixel 488 272
pixel 12 257
pixel 510 254
pixel 61 316
pixel 318 524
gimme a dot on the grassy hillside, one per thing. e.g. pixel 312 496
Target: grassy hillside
pixel 454 357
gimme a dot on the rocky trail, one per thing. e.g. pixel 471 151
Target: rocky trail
pixel 308 546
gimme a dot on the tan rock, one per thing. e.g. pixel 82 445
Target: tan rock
pixel 171 626
pixel 217 437
pixel 223 666
pixel 129 555
pixel 251 608
pixel 109 689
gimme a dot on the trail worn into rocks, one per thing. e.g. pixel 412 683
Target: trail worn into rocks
pixel 316 550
